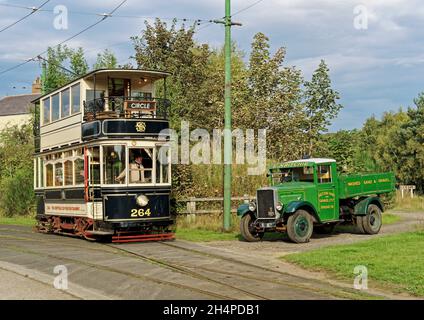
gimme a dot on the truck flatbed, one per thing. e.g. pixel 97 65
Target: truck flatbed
pixel 357 185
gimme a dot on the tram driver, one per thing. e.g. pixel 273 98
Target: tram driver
pixel 136 171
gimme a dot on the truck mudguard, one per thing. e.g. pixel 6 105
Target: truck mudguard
pixel 293 206
pixel 361 207
pixel 243 209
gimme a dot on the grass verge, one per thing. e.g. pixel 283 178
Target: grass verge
pixel 408 203
pixel 395 262
pixel 389 218
pixel 20 221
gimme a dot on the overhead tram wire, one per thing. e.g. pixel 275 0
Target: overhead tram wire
pixel 247 8
pixel 197 21
pixel 105 16
pixel 33 10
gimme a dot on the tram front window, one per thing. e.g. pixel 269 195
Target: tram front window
pixel 141 165
pixel 114 164
pixel 162 164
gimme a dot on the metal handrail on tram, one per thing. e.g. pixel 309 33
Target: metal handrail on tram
pixel 126 107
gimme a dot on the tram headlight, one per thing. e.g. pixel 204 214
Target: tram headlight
pixel 142 200
pixel 252 206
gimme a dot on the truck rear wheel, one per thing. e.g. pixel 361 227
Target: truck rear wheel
pixel 300 226
pixel 248 230
pixel 372 221
pixel 359 224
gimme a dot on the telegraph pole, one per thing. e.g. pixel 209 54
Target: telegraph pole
pixel 227 128
pixel 227 132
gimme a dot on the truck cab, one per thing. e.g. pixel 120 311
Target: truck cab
pixel 309 193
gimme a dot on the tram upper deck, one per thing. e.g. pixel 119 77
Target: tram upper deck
pixel 105 103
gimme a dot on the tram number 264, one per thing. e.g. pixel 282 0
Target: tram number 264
pixel 135 213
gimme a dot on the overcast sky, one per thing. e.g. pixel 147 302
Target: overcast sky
pixel 376 66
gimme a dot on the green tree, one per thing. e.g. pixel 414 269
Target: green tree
pixel 55 75
pixel 16 170
pixel 320 105
pixel 410 146
pixel 340 146
pixel 57 59
pixel 79 65
pixel 274 99
pixel 106 60
pixel 174 50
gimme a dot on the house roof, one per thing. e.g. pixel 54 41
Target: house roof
pixel 19 104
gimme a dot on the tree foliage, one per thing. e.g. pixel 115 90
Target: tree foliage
pixel 320 104
pixel 105 60
pixel 16 170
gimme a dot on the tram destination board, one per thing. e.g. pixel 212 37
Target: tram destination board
pixel 119 127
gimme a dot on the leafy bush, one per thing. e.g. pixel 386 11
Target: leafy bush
pixel 16 170
pixel 17 197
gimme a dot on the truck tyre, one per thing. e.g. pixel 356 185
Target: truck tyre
pixel 372 221
pixel 359 223
pixel 248 231
pixel 300 226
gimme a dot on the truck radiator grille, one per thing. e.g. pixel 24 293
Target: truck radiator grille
pixel 265 204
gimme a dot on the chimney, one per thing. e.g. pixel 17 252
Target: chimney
pixel 36 86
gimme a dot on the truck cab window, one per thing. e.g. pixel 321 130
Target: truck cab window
pixel 301 174
pixel 324 174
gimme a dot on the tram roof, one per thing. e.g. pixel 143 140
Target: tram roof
pixel 154 74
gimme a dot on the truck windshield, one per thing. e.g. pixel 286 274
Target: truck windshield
pixel 301 174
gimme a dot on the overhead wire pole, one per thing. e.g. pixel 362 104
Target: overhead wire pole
pixel 228 149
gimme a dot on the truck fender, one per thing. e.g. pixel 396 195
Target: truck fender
pixel 361 208
pixel 293 206
pixel 243 209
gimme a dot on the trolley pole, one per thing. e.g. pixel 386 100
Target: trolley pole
pixel 43 77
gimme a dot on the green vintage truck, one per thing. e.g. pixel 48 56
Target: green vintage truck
pixel 310 195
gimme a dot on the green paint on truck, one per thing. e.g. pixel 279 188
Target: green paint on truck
pixel 309 194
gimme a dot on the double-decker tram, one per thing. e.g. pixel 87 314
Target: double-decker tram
pixel 102 168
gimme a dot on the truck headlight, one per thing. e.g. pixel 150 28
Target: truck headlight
pixel 252 206
pixel 279 206
pixel 142 200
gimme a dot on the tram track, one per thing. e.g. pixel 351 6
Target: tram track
pixel 118 271
pixel 173 267
pixel 186 269
pixel 183 269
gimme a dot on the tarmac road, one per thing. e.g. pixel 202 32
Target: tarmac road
pixel 169 270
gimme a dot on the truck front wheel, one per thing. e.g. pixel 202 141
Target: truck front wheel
pixel 372 221
pixel 300 226
pixel 248 230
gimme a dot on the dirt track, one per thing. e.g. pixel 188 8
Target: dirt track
pixel 171 270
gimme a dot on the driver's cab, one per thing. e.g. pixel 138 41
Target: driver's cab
pixel 315 170
pixel 313 180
